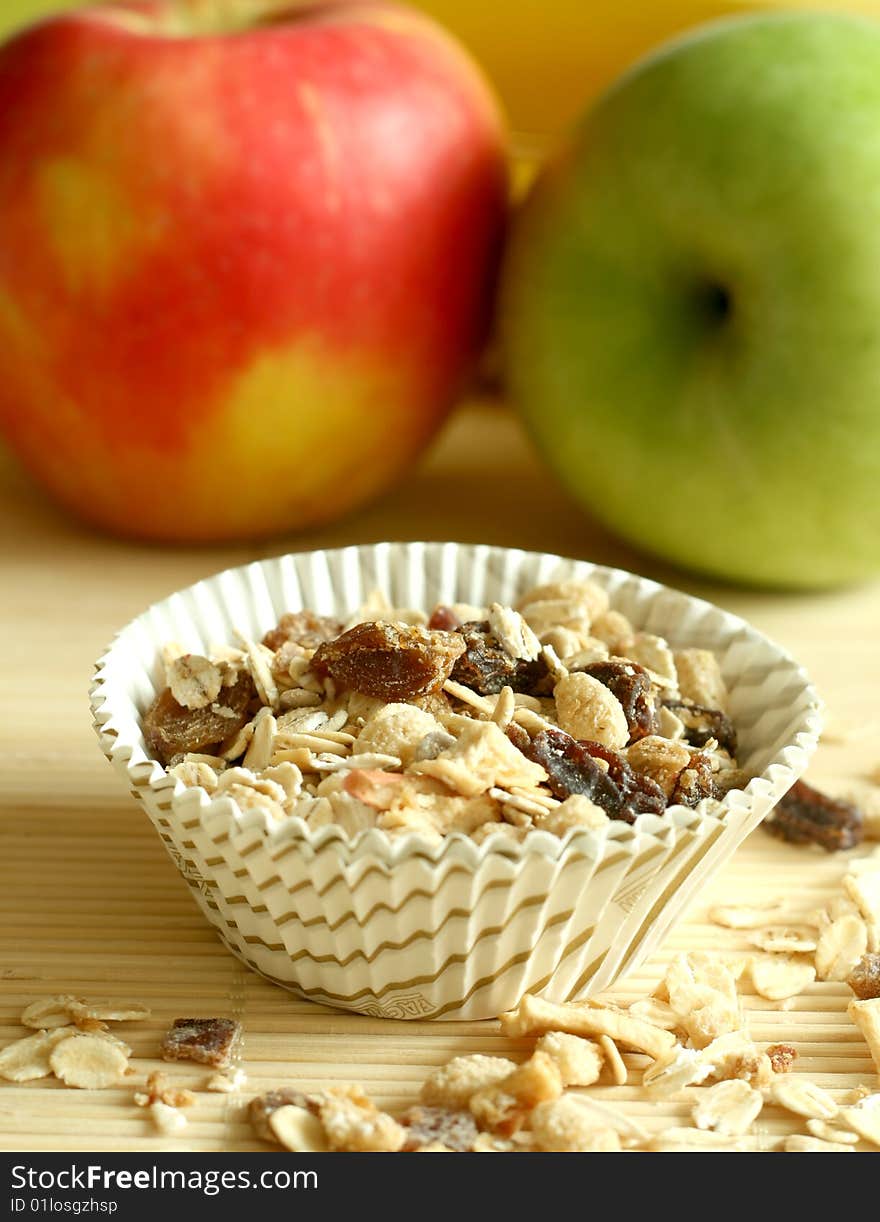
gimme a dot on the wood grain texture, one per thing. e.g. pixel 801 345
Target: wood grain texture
pixel 90 904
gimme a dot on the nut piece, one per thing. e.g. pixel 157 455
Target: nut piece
pixel 503 1107
pixel 89 1062
pixel 613 1060
pixel 777 978
pixel 453 1084
pixel 297 1129
pixel 29 1058
pixel 534 1014
pixel 830 1132
pixel 866 1016
pixel 802 1097
pixel 728 1107
pixel 588 710
pixel 841 945
pixel 700 680
pixel 209 1041
pixel 579 1061
pixel 782 1057
pixel 353 1122
pixel 565 1125
pixel 513 633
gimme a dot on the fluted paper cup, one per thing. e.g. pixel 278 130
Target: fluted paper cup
pixel 405 927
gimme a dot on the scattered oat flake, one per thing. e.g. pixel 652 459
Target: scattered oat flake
pixel 864 1118
pixel 683 1139
pixel 831 1132
pixel 108 1012
pixel 776 978
pixel 27 1059
pixel 785 940
pixel 840 946
pixel 48 1013
pixel 804 1098
pixel 796 1143
pixel 727 1107
pixel 88 1062
pixel 744 916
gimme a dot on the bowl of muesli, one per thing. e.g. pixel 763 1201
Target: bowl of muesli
pixel 423 779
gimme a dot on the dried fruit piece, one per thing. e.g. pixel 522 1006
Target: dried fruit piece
pixel 392 662
pixel 486 667
pixel 782 1057
pixel 695 783
pixel 631 685
pixel 303 628
pixel 806 816
pixel 171 729
pixel 210 1041
pixel 572 768
pixel 296 1128
pixel 701 724
pixel 864 979
pixel 453 1128
pixel 444 619
pixel 29 1058
pixel 89 1062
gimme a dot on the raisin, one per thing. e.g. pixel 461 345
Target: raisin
pixel 444 618
pixel 171 729
pixel 572 767
pixel 393 662
pixel 263 1106
pixel 456 1130
pixel 806 816
pixel 302 628
pixel 486 667
pixel 782 1057
pixel 694 783
pixel 630 684
pixel 701 724
pixel 207 1040
pixel 864 979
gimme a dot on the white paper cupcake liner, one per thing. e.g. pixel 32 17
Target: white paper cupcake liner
pixel 405 927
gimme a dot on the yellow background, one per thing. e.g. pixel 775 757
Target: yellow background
pixel 547 58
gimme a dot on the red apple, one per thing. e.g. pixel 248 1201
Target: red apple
pixel 244 268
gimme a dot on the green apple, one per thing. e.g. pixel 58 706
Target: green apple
pixel 691 303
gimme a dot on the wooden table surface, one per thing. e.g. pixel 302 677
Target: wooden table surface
pixel 90 904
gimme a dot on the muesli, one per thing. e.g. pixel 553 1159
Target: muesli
pixel 554 714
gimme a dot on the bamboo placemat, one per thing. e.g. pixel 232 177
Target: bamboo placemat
pixel 91 905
